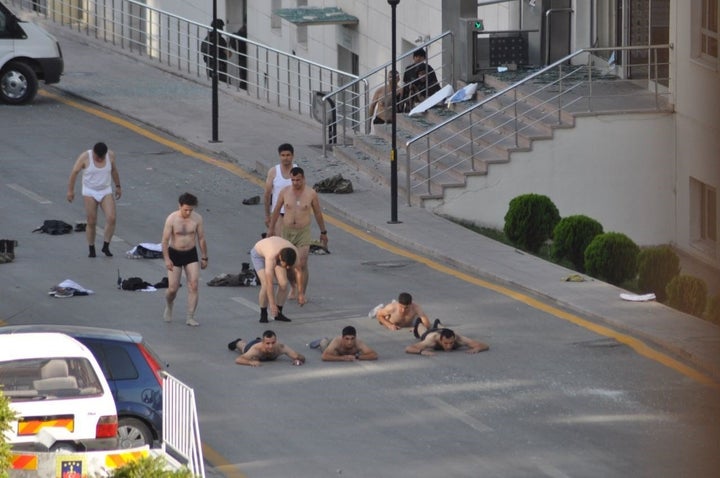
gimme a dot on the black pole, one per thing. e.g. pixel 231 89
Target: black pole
pixel 214 75
pixel 393 150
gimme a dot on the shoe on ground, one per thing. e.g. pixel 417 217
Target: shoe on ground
pixel 281 318
pixel 373 313
pixel 233 345
pixel 192 322
pixel 264 320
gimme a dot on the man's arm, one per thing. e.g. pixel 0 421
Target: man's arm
pixel 267 197
pixel 276 212
pixel 167 233
pixel 473 345
pixel 331 353
pixel 201 242
pixel 422 347
pixel 315 204
pixel 77 167
pixel 284 349
pixel 249 358
pixel 115 175
pixel 383 316
pixel 365 352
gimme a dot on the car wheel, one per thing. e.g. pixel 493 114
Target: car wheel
pixel 133 433
pixel 18 83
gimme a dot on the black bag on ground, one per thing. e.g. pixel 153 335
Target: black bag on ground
pixel 133 283
pixel 54 227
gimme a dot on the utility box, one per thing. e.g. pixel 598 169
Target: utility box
pixel 482 50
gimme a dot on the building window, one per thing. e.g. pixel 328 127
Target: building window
pixel 703 215
pixel 275 20
pixel 708 39
pixel 302 30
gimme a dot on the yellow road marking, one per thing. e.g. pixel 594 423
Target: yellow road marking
pixel 637 345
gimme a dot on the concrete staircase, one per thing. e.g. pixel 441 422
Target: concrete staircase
pixel 464 147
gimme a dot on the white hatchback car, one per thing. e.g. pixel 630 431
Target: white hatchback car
pixel 58 392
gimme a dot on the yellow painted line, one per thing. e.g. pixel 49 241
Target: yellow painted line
pixel 221 464
pixel 637 345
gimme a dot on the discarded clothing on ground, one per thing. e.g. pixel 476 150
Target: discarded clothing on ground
pixel 145 250
pixel 316 247
pixel 336 184
pixel 246 278
pixel 54 227
pixel 251 201
pixel 7 250
pixel 68 288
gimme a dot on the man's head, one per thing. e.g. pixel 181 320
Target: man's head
pixel 447 339
pixel 187 202
pixel 297 176
pixel 269 339
pixel 394 75
pixel 218 23
pixel 287 153
pixel 100 150
pixel 419 55
pixel 405 299
pixel 287 257
pixel 349 334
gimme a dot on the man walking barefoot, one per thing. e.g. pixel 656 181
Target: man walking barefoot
pixel 183 232
pixel 99 173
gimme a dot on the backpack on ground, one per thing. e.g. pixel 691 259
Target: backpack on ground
pixel 54 227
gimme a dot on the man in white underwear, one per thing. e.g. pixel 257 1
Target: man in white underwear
pixel 99 173
pixel 278 177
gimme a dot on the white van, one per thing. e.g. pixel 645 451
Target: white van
pixel 58 392
pixel 27 54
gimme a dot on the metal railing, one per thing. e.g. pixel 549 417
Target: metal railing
pixel 345 109
pixel 180 429
pixel 581 83
pixel 269 75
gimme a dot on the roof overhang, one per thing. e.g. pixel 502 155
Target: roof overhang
pixel 304 16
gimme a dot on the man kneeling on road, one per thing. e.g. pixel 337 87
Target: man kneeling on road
pixel 400 313
pixel 263 349
pixel 345 348
pixel 442 340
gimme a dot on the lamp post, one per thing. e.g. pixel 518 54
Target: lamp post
pixel 214 75
pixel 393 148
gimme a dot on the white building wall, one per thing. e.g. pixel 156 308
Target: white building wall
pixel 618 170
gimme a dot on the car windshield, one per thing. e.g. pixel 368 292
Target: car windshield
pixel 47 379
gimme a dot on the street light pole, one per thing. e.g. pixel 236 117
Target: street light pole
pixel 214 75
pixel 393 85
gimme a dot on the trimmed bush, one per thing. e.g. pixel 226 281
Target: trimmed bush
pixel 149 467
pixel 612 257
pixel 712 314
pixel 656 268
pixel 6 416
pixel 687 294
pixel 571 237
pixel 530 221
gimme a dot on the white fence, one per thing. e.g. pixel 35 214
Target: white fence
pixel 181 432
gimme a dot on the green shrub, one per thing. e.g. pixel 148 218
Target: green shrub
pixel 612 257
pixel 530 221
pixel 571 237
pixel 712 313
pixel 688 294
pixel 656 268
pixel 149 467
pixel 6 416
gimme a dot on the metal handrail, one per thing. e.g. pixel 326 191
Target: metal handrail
pixel 364 95
pixel 568 85
pixel 271 75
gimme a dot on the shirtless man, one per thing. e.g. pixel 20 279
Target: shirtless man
pixel 400 313
pixel 98 168
pixel 382 99
pixel 345 348
pixel 263 349
pixel 299 202
pixel 278 177
pixel 271 258
pixel 441 339
pixel 183 230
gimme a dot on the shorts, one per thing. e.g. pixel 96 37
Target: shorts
pixel 182 258
pixel 257 260
pixel 250 344
pixel 298 237
pixel 95 194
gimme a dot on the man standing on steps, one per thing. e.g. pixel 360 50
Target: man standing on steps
pixel 183 232
pixel 99 173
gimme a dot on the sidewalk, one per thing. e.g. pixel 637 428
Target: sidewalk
pixel 148 94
